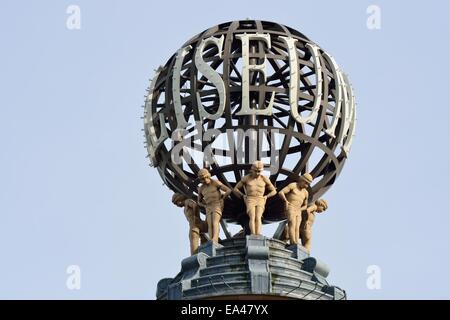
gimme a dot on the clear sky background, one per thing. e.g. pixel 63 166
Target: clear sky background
pixel 76 188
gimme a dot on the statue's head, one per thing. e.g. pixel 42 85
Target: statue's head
pixel 257 168
pixel 204 176
pixel 178 199
pixel 322 205
pixel 305 180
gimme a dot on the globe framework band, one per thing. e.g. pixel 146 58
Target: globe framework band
pixel 250 75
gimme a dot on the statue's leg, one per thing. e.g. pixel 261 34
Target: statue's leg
pixel 259 210
pixel 285 234
pixel 216 223
pixel 203 231
pixel 209 221
pixel 302 228
pixel 251 216
pixel 291 225
pixel 194 236
pixel 302 235
pixel 307 235
pixel 190 242
pixel 298 220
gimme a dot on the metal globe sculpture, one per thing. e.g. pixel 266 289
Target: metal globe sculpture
pixel 247 90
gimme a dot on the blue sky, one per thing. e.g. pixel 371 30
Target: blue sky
pixel 76 188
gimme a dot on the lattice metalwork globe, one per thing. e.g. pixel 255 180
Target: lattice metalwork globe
pixel 247 90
